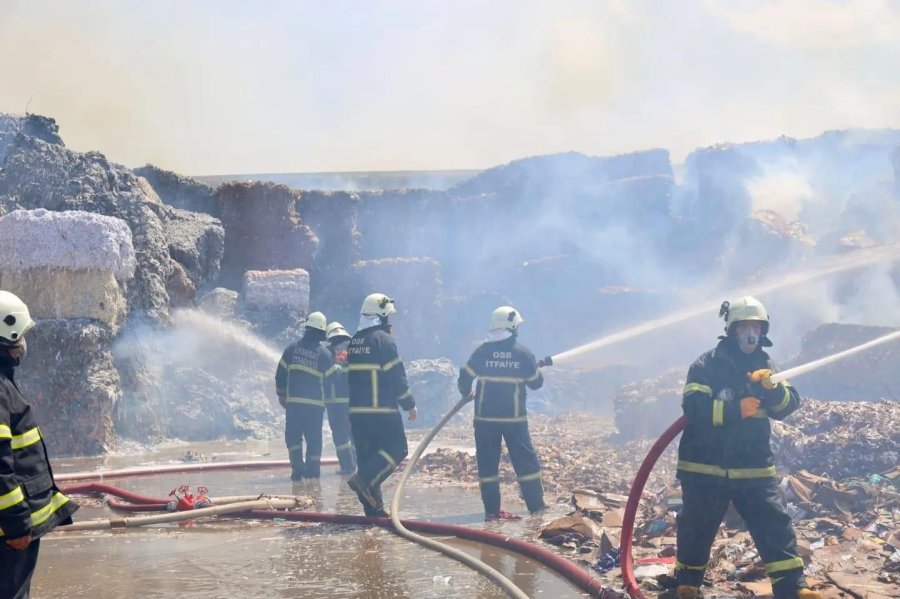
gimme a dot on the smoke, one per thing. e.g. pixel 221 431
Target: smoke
pixel 200 379
pixel 786 193
pixel 394 85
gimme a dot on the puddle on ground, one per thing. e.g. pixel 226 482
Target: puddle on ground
pixel 266 559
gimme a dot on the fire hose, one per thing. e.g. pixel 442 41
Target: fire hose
pixel 138 502
pixel 476 564
pixel 640 479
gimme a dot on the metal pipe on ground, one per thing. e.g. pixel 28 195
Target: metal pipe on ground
pixel 196 514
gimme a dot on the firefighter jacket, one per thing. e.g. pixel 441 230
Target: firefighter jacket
pixel 377 377
pixel 301 374
pixel 339 386
pixel 503 369
pixel 30 501
pixel 718 446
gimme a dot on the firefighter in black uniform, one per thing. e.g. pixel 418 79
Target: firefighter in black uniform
pixel 504 368
pixel 724 454
pixel 378 388
pixel 300 383
pixel 337 397
pixel 31 505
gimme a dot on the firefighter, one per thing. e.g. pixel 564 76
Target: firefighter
pixel 337 396
pixel 378 389
pixel 31 504
pixel 300 383
pixel 504 368
pixel 724 454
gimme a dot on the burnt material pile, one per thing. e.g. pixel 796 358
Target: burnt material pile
pixel 262 231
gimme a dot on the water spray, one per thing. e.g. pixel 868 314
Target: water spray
pixel 640 479
pixel 231 332
pixel 844 263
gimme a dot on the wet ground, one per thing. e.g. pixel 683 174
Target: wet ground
pixel 263 559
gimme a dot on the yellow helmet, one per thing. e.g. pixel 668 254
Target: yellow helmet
pixel 15 320
pixel 744 308
pixel 377 304
pixel 316 320
pixel 506 317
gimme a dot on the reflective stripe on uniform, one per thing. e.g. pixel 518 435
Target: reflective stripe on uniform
pixel 396 361
pixel 408 393
pixel 305 369
pixel 343 446
pixel 767 472
pixel 510 380
pixel 787 399
pixel 363 366
pixel 333 369
pixel 789 564
pixel 533 476
pixel 718 413
pixel 41 515
pixel 471 372
pixel 387 457
pixel 14 497
pixel 338 400
pixel 486 480
pixel 500 419
pixel 294 447
pixel 533 377
pixel 364 410
pixel 740 473
pixel 683 566
pixel 306 401
pixel 27 438
pixel 5 433
pixel 391 465
pixel 282 363
pixel 697 388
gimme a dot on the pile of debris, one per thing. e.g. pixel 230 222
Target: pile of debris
pixel 847 516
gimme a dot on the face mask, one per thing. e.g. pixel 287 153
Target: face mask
pixel 20 349
pixel 748 338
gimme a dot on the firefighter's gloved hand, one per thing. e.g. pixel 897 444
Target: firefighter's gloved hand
pixel 749 407
pixel 413 414
pixel 762 376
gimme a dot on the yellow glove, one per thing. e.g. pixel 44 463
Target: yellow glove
pixel 763 376
pixel 749 407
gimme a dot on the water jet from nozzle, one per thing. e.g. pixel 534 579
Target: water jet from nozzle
pixel 844 263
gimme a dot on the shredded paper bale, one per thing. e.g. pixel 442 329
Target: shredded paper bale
pixel 71 240
pixel 67 264
pixel 276 288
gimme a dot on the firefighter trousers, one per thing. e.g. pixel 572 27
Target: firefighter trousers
pixel 380 442
pixel 762 508
pixel 16 569
pixel 304 423
pixel 339 421
pixel 488 446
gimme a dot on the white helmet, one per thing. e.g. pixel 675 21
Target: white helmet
pixel 506 317
pixel 377 304
pixel 316 320
pixel 15 320
pixel 336 329
pixel 744 308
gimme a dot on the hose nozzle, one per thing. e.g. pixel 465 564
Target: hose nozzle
pixel 548 361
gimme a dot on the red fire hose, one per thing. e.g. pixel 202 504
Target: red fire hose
pixel 634 499
pixel 561 565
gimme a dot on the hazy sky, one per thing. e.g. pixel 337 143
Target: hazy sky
pixel 226 86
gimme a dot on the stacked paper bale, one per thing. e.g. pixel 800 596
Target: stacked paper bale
pixel 71 268
pixel 275 302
